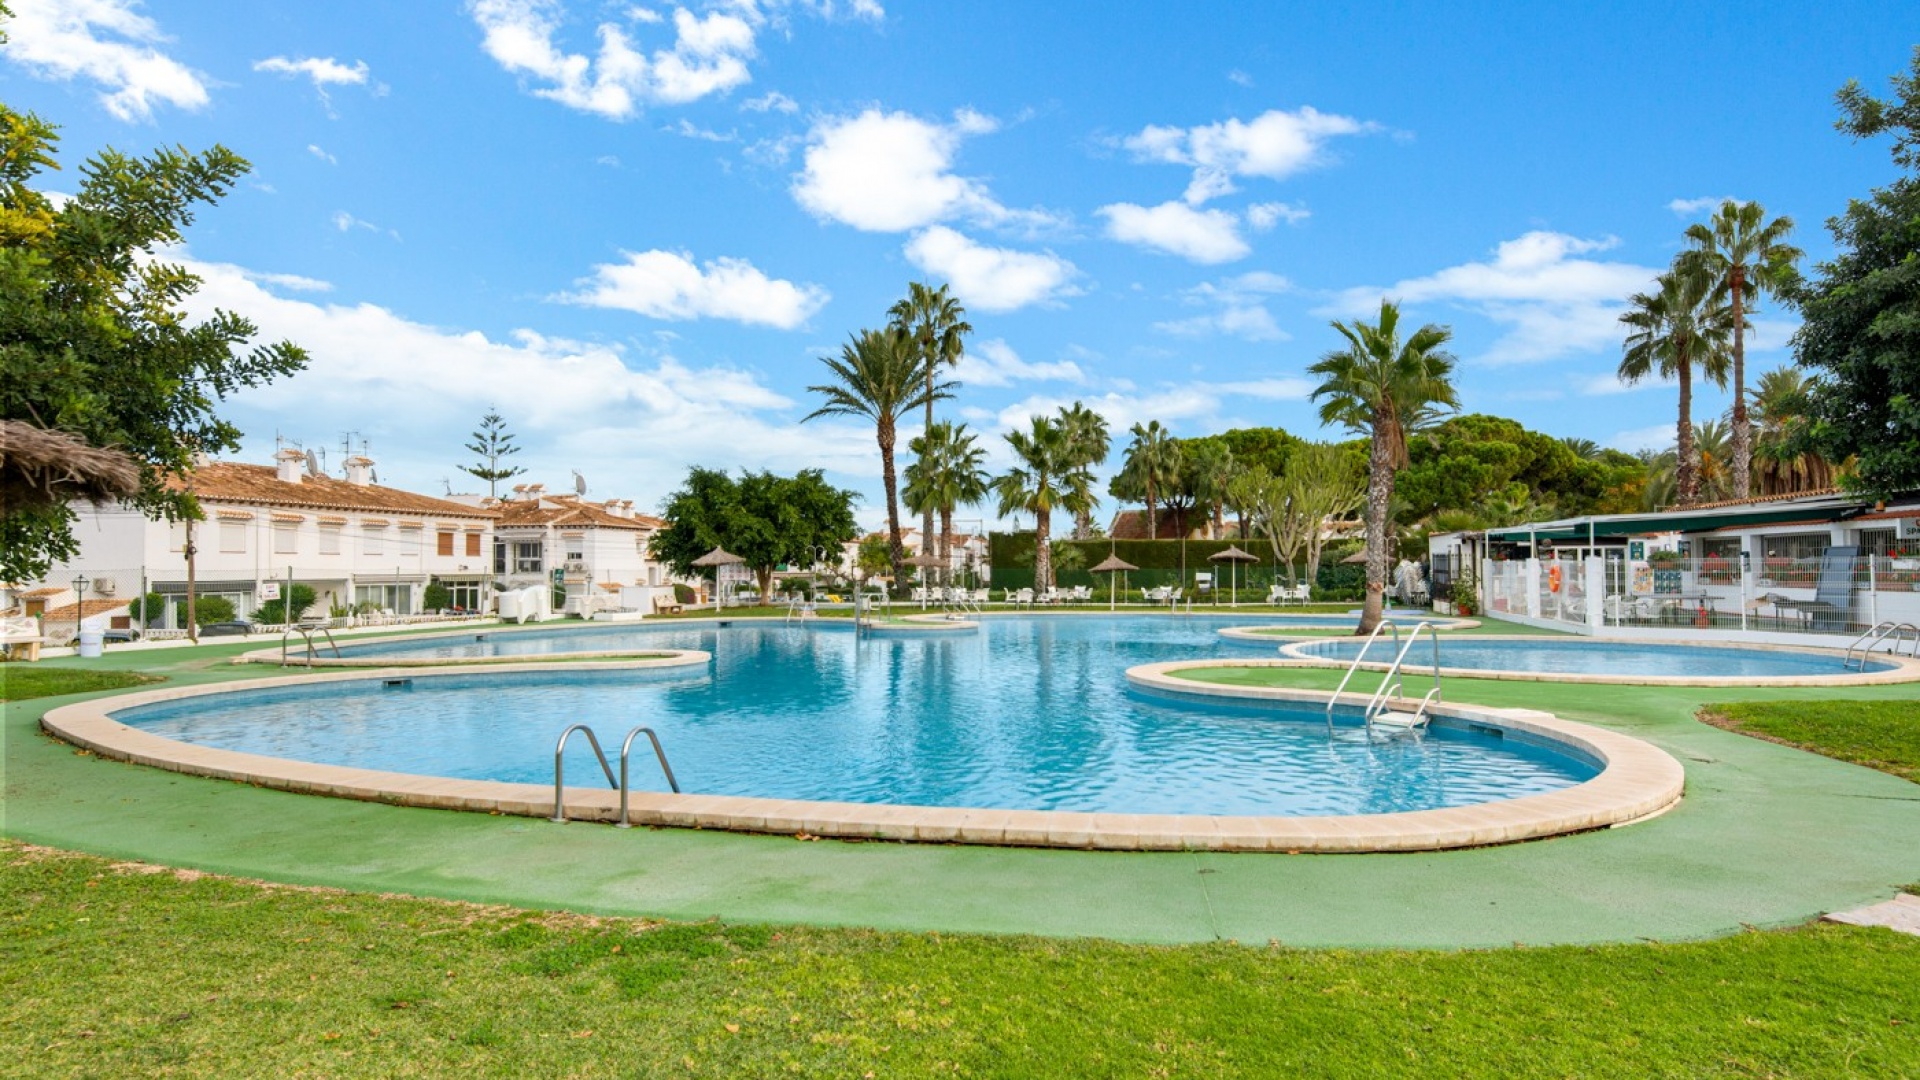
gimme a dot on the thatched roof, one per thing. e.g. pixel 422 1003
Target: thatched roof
pixel 39 467
pixel 1113 564
pixel 718 557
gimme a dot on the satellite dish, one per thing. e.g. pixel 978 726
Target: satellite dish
pixel 374 475
pixel 579 484
pixel 313 464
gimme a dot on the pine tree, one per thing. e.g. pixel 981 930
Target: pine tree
pixel 492 443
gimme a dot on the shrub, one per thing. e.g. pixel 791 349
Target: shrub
pixel 682 594
pixel 274 612
pixel 149 611
pixel 435 597
pixel 212 609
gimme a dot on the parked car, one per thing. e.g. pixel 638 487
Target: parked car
pixel 107 636
pixel 226 629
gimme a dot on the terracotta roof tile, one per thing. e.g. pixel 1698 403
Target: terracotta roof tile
pixel 90 607
pixel 1757 499
pixel 567 511
pixel 260 485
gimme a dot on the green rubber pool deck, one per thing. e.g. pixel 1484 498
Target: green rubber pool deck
pixel 1767 836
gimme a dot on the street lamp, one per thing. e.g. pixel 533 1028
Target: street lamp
pixel 79 591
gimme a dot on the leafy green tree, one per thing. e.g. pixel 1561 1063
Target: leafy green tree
pixel 765 519
pixel 1151 467
pixel 1268 448
pixel 1385 389
pixel 1783 461
pixel 1089 441
pixel 1860 328
pixel 1267 508
pixel 874 556
pixel 94 337
pixel 949 470
pixel 1681 325
pixel 274 612
pixel 1207 468
pixel 492 443
pixel 149 610
pixel 1747 256
pixel 880 378
pixel 936 323
pixel 1041 483
pixel 1325 482
pixel 208 610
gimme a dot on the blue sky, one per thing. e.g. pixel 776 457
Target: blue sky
pixel 634 229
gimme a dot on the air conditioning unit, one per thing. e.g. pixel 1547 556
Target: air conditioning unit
pixel 105 586
pixel 1906 528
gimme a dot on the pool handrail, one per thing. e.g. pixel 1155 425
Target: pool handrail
pixel 1383 624
pixel 1881 631
pixel 626 751
pixel 305 630
pixel 559 769
pixel 1390 682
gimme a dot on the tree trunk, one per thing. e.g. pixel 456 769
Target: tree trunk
pixel 926 517
pixel 946 543
pixel 1042 553
pixel 1742 428
pixel 1379 494
pixel 887 478
pixel 1153 521
pixel 1686 476
pixel 764 575
pixel 1219 520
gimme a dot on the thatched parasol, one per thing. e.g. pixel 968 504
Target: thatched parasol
pixel 925 562
pixel 1234 555
pixel 716 559
pixel 40 468
pixel 1112 564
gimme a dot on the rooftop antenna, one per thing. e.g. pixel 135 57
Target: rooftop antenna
pixel 579 484
pixel 448 484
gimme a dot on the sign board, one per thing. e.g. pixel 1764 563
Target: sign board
pixel 1636 550
pixel 1666 582
pixel 267 590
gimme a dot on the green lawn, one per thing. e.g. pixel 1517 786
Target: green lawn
pixel 21 682
pixel 1882 735
pixel 121 969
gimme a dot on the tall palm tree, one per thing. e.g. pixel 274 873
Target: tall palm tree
pixel 1584 449
pixel 1781 465
pixel 948 471
pixel 937 325
pixel 1040 483
pixel 1747 256
pixel 1087 432
pixel 1210 468
pixel 1386 389
pixel 881 378
pixel 1670 331
pixel 1153 465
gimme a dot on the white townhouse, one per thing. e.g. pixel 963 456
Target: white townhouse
pixel 354 542
pixel 964 550
pixel 585 548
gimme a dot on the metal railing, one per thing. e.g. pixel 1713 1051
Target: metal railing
pixel 306 631
pixel 622 784
pixel 1889 630
pixel 1378 713
pixel 1383 624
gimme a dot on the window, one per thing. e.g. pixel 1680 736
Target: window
pixel 397 599
pixel 464 595
pixel 233 537
pixel 527 557
pixel 1797 546
pixel 177 536
pixel 576 545
pixel 443 543
pixel 473 544
pixel 373 539
pixel 1881 542
pixel 329 539
pixel 499 556
pixel 286 537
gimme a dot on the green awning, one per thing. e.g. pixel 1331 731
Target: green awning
pixel 1672 521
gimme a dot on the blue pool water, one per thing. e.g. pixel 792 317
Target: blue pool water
pixel 1578 657
pixel 1028 713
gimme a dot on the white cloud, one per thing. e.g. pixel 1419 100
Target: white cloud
pixel 1684 207
pixel 994 363
pixel 290 282
pixel 668 285
pixel 1239 78
pixel 709 56
pixel 346 222
pixel 1201 406
pixel 892 172
pixel 1611 383
pixel 322 71
pixel 1264 216
pixel 687 129
pixel 632 420
pixel 1238 308
pixel 1274 145
pixel 1202 236
pixel 105 42
pixel 322 154
pixel 1553 302
pixel 1654 437
pixel 771 101
pixel 991 278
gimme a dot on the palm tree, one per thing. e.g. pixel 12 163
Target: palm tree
pixel 1584 449
pixel 1713 448
pixel 937 326
pixel 1669 331
pixel 880 378
pixel 1781 465
pixel 947 472
pixel 1386 389
pixel 1746 256
pixel 1152 466
pixel 1042 481
pixel 1087 433
pixel 1209 469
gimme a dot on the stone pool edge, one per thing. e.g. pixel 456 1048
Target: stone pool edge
pixel 1637 781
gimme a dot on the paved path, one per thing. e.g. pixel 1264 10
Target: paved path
pixel 1767 836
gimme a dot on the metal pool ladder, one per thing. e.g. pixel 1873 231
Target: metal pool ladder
pixel 1379 714
pixel 305 630
pixel 1889 630
pixel 621 785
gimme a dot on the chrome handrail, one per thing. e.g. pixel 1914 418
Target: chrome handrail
pixel 560 765
pixel 1377 703
pixel 1881 631
pixel 626 750
pixel 306 630
pixel 1383 624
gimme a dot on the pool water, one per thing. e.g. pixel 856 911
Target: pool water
pixel 1581 657
pixel 1026 713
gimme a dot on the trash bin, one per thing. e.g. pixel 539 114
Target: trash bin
pixel 93 636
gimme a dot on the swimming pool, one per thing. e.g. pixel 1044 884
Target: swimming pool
pixel 1030 713
pixel 1536 657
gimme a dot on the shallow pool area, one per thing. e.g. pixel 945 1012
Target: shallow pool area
pixel 1537 657
pixel 1029 713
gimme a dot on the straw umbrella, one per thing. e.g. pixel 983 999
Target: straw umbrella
pixel 925 562
pixel 1113 564
pixel 716 559
pixel 1234 555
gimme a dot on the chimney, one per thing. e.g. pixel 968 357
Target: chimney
pixel 288 465
pixel 359 470
pixel 613 508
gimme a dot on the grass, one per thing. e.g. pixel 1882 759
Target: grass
pixel 116 968
pixel 1882 735
pixel 20 682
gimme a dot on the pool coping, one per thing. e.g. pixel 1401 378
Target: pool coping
pixel 624 658
pixel 1263 633
pixel 1905 670
pixel 1637 781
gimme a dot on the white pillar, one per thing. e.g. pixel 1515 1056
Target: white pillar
pixel 1596 569
pixel 1531 581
